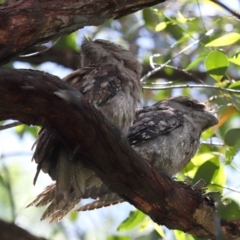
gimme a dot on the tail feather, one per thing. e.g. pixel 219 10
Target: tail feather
pixel 58 209
pixel 44 198
pixel 46 153
pixel 104 201
pixel 63 183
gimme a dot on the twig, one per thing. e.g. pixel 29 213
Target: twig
pixel 150 73
pixel 39 52
pixel 226 187
pixel 213 143
pixel 190 86
pixel 185 72
pixel 234 13
pixel 10 125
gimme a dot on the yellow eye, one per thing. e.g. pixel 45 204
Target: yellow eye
pixel 189 104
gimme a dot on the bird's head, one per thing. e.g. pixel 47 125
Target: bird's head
pixel 96 52
pixel 202 114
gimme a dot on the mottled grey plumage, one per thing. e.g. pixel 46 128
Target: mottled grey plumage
pixel 167 134
pixel 109 78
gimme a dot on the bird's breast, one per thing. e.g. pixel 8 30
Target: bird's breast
pixel 171 152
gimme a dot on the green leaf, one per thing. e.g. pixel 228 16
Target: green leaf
pixel 236 101
pixel 144 224
pixel 68 42
pixel 118 238
pixel 73 216
pixel 22 129
pixel 229 210
pixel 216 64
pixel 2 182
pixel 235 60
pixel 208 133
pixel 231 152
pixel 179 235
pixel 196 61
pixel 161 26
pixel 200 159
pixel 219 178
pixel 206 172
pixel 232 136
pixel 134 218
pixel 225 40
pixel 150 18
pixel 182 19
pixel 159 230
pixel 235 85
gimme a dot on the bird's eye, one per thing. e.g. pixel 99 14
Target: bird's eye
pixel 189 104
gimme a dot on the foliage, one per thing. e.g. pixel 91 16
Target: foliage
pixel 199 43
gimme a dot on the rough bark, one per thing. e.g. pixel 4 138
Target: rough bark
pixel 25 96
pixel 24 23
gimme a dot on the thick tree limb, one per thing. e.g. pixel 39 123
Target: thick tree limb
pixel 11 231
pixel 30 97
pixel 25 23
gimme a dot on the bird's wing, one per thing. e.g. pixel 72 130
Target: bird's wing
pixel 150 122
pixel 97 84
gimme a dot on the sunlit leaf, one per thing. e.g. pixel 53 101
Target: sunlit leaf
pixel 205 172
pixel 208 133
pixel 196 61
pixel 235 59
pixel 134 218
pixel 22 129
pixel 189 170
pixel 212 4
pixel 181 18
pixel 219 178
pixel 161 26
pixel 232 136
pixel 68 41
pixel 199 159
pixel 235 85
pixel 179 235
pixel 144 224
pixel 216 64
pixel 225 40
pixel 159 230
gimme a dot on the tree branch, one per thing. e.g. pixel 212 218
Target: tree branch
pixel 12 231
pixel 105 150
pixel 25 23
pixel 70 59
